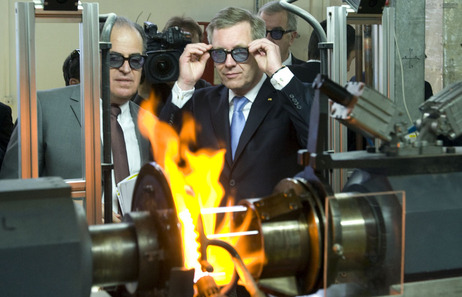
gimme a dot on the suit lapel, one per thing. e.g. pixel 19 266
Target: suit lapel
pixel 221 121
pixel 142 142
pixel 262 104
pixel 75 104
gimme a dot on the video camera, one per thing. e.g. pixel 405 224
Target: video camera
pixel 164 50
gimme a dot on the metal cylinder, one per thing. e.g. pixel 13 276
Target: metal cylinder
pixel 286 247
pixel 115 254
pixel 128 253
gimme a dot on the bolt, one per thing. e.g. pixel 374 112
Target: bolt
pixel 293 206
pixel 148 189
pixel 337 249
pixel 265 216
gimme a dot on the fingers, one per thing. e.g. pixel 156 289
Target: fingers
pixel 194 52
pixel 116 218
pixel 266 54
pixel 192 64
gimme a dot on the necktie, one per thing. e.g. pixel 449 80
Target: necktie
pixel 119 151
pixel 237 122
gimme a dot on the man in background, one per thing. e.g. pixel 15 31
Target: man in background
pixel 281 28
pixel 71 68
pixel 161 90
pixel 59 116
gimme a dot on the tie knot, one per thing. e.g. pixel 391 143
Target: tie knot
pixel 115 110
pixel 239 103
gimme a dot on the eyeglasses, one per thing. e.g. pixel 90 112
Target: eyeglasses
pixel 136 61
pixel 239 54
pixel 277 34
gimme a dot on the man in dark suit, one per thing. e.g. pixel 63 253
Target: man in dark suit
pixel 281 28
pixel 6 127
pixel 58 113
pixel 275 110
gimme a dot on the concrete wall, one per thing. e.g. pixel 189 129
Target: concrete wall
pixel 452 41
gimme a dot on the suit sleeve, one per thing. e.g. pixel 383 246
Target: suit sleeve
pixel 297 100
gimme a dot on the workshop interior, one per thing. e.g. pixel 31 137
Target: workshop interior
pixel 383 221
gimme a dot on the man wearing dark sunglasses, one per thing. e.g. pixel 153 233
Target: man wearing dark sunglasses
pixel 59 113
pixel 257 94
pixel 281 28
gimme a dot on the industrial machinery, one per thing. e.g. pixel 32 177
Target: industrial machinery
pixel 349 243
pixel 396 222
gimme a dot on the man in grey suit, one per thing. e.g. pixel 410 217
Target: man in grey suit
pixel 58 112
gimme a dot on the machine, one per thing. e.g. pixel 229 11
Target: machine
pixel 349 243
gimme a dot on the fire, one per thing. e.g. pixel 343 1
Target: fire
pixel 195 186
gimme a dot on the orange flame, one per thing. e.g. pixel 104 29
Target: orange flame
pixel 195 185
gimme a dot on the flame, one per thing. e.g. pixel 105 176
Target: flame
pixel 195 185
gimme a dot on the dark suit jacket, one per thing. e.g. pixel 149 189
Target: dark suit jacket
pixel 307 71
pixel 6 127
pixel 277 127
pixel 296 61
pixel 59 136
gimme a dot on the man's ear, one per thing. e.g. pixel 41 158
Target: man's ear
pixel 293 35
pixel 74 81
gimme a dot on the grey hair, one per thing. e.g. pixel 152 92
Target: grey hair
pixel 274 7
pixel 230 16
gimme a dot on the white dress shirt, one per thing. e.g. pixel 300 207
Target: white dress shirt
pixel 279 80
pixel 131 142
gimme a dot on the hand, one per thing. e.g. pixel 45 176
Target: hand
pixel 116 218
pixel 192 64
pixel 267 55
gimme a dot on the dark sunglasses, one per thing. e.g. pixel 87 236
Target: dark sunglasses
pixel 239 54
pixel 136 61
pixel 277 34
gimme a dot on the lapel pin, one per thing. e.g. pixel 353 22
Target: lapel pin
pixel 270 99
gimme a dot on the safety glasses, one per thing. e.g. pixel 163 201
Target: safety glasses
pixel 239 54
pixel 277 34
pixel 136 61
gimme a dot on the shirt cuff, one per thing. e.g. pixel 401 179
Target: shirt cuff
pixel 180 97
pixel 281 78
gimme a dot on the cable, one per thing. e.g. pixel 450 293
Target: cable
pixel 402 79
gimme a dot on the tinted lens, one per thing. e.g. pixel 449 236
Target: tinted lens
pixel 218 55
pixel 116 60
pixel 240 54
pixel 276 34
pixel 136 61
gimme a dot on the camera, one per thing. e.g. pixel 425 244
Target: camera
pixel 164 50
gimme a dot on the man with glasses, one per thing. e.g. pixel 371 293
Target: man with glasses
pixel 260 112
pixel 281 28
pixel 59 120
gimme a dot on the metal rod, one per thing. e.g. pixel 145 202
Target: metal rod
pixel 224 209
pixel 107 165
